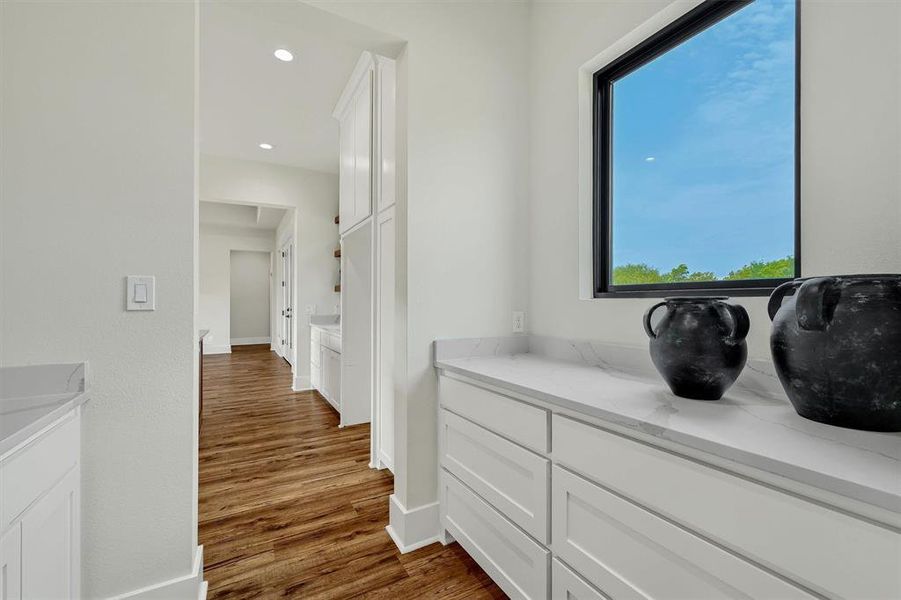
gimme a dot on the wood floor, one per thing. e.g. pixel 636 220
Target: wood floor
pixel 289 507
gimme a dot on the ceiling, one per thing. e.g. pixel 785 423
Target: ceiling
pixel 248 97
pixel 240 216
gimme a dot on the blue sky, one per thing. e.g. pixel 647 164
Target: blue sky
pixel 703 137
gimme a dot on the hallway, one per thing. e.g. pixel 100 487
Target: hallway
pixel 288 504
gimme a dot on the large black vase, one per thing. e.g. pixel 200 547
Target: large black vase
pixel 837 349
pixel 699 345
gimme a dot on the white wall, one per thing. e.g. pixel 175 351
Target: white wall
pixel 465 71
pixel 250 294
pixel 97 183
pixel 850 161
pixel 314 196
pixel 216 246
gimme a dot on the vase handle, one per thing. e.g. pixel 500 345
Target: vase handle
pixel 815 303
pixel 742 323
pixel 647 320
pixel 776 297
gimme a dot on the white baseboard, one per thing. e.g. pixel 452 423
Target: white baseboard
pixel 415 528
pixel 302 383
pixel 217 349
pixel 250 341
pixel 186 587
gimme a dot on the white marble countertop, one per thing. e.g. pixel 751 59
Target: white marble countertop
pixel 329 323
pixel 760 430
pixel 33 397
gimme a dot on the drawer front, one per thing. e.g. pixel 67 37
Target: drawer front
pixel 516 563
pixel 514 480
pixel 33 470
pixel 628 552
pixel 518 421
pixel 336 343
pixel 567 585
pixel 827 551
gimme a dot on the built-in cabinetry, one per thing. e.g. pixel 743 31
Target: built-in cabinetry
pixel 40 513
pixel 367 198
pixel 554 504
pixel 325 363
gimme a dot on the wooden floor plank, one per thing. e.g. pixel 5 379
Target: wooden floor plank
pixel 289 507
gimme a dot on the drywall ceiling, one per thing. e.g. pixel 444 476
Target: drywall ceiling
pixel 248 97
pixel 240 216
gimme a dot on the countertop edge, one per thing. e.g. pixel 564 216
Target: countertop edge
pixel 788 470
pixel 23 435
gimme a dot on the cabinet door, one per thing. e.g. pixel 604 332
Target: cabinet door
pixel 362 151
pixel 325 378
pixel 11 564
pixel 346 161
pixel 335 379
pixel 50 543
pixel 385 339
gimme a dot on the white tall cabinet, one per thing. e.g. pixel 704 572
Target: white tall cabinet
pixel 367 188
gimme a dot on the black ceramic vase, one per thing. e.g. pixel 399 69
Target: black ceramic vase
pixel 837 349
pixel 699 345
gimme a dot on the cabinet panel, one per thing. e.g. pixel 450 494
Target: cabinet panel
pixel 387 123
pixel 50 543
pixel 34 469
pixel 567 585
pixel 823 549
pixel 630 553
pixel 346 159
pixel 521 422
pixel 11 564
pixel 511 478
pixel 362 152
pixel 385 337
pixel 516 563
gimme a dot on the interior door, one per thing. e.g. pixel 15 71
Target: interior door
pixel 287 316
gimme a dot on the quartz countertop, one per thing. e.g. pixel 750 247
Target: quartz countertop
pixel 329 323
pixel 751 425
pixel 33 397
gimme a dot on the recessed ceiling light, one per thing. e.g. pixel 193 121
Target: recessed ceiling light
pixel 266 146
pixel 283 55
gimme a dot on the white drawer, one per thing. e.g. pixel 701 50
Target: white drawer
pixel 517 564
pixel 33 470
pixel 335 341
pixel 628 552
pixel 567 585
pixel 827 551
pixel 514 480
pixel 518 421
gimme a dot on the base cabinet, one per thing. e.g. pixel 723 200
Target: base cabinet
pixel 40 536
pixel 50 536
pixel 11 563
pixel 630 520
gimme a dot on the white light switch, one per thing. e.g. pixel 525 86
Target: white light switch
pixel 141 292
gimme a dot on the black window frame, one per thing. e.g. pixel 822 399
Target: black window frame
pixel 695 21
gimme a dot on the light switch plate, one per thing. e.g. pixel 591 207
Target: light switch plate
pixel 140 292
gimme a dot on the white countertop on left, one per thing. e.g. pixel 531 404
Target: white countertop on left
pixel 32 397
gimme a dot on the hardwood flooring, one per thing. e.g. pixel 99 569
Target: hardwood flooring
pixel 289 507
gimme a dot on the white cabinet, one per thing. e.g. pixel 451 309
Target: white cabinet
pixel 354 113
pixel 385 337
pixel 629 519
pixel 11 563
pixel 325 363
pixel 39 505
pixel 50 565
